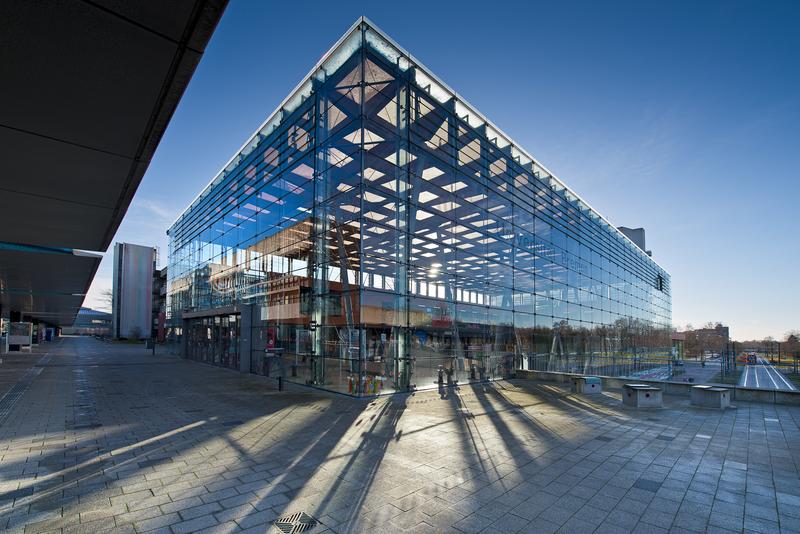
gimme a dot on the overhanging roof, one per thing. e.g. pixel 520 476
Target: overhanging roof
pixel 46 284
pixel 88 90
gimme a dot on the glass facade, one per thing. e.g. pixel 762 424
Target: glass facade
pixel 381 230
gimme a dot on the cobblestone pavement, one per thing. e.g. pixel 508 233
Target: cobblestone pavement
pixel 13 366
pixel 108 437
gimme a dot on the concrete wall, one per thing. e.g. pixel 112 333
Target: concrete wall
pixel 678 389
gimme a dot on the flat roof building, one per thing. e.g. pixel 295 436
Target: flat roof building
pixel 90 322
pixel 378 231
pixel 132 287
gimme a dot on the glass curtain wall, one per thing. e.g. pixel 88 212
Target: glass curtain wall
pixel 383 231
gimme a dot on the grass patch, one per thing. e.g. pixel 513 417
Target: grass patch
pixel 731 377
pixel 794 379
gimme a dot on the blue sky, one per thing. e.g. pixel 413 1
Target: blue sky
pixel 682 117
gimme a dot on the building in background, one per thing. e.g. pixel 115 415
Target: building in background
pixel 90 322
pixel 712 339
pixel 377 231
pixel 159 303
pixel 132 302
pixel 637 235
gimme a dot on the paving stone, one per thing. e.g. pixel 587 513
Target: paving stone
pixel 138 515
pixel 236 512
pixel 647 485
pixel 197 511
pixel 754 524
pixel 154 523
pixel 607 527
pixel 762 512
pixel 622 518
pixel 574 525
pixel 473 523
pixel 509 523
pixel 91 527
pixel 194 525
pixel 590 515
pixel 257 518
pixel 556 514
pixel 183 504
pixel 198 454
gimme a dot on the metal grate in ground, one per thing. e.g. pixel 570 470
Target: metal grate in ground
pixel 298 522
pixel 13 395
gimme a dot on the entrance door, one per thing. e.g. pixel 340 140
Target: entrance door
pixel 214 340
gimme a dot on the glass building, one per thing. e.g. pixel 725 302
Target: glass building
pixel 378 229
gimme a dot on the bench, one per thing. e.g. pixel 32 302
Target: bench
pixel 711 397
pixel 587 384
pixel 641 396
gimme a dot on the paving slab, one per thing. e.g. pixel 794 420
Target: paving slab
pixel 108 436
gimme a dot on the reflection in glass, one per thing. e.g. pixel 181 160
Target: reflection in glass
pixel 378 230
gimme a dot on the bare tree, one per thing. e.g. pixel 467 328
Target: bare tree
pixel 791 345
pixel 107 299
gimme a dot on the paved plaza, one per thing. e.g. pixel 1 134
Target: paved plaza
pixel 106 437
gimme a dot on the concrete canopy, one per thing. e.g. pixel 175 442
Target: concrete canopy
pixel 48 285
pixel 88 90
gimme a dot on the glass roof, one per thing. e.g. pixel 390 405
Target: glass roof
pixel 363 31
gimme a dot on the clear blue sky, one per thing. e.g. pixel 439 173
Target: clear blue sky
pixel 682 117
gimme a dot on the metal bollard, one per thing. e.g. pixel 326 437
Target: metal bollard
pixel 441 375
pixel 280 383
pixel 472 372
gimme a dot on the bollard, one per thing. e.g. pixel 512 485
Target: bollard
pixel 449 376
pixel 294 369
pixel 280 383
pixel 472 372
pixel 441 375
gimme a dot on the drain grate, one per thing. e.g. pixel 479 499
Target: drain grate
pixel 299 522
